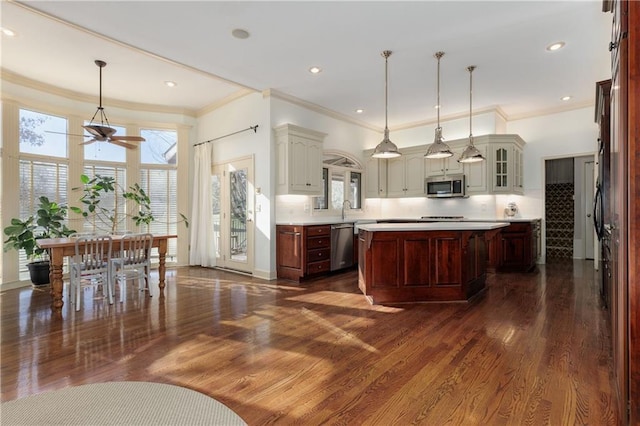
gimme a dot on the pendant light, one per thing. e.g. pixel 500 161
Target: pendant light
pixel 386 148
pixel 438 149
pixel 471 154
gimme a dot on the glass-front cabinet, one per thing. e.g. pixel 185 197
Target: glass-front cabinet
pixel 507 167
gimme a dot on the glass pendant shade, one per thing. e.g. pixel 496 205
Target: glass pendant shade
pixel 471 154
pixel 438 149
pixel 386 148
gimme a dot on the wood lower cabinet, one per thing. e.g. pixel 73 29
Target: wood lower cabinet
pixel 515 248
pixel 302 251
pixel 410 266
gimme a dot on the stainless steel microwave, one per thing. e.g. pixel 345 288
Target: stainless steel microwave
pixel 445 186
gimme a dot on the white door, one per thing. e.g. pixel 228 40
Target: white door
pixel 233 221
pixel 589 228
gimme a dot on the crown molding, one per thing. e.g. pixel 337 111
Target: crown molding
pixel 549 111
pixel 317 108
pixel 225 101
pixel 20 80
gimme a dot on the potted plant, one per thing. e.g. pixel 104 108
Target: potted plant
pixel 48 222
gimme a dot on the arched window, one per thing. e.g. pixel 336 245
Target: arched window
pixel 342 181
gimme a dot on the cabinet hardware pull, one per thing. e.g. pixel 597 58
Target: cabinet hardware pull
pixel 289 233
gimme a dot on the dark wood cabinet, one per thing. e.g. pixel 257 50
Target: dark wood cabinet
pixel 515 248
pixel 317 255
pixel 601 212
pixel 302 251
pixel 409 266
pixel 624 205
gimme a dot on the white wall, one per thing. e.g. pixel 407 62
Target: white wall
pixel 483 124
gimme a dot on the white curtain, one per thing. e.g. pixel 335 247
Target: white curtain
pixel 202 239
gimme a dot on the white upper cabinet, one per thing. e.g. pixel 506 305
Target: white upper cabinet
pixel 500 173
pixel 476 173
pixel 446 166
pixel 506 164
pixel 405 174
pixel 299 153
pixel 375 176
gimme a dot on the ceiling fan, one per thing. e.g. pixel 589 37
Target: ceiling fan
pixel 105 133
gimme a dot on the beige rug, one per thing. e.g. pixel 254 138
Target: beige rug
pixel 118 403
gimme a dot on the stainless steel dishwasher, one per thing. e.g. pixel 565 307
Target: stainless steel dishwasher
pixel 341 246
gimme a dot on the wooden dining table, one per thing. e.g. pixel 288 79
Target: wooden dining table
pixel 59 248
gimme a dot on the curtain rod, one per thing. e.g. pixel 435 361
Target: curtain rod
pixel 254 128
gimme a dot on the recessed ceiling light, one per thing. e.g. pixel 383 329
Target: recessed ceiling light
pixel 359 110
pixel 315 70
pixel 565 98
pixel 240 33
pixel 555 46
pixel 8 32
pixel 171 83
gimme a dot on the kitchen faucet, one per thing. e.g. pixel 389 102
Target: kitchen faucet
pixel 344 203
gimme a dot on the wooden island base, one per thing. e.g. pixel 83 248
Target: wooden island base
pixel 421 265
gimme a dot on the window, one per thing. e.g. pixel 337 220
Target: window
pixel 43 167
pixel 160 147
pixel 355 189
pixel 159 179
pixel 322 202
pixel 42 134
pixel 112 202
pixel 341 180
pixel 109 160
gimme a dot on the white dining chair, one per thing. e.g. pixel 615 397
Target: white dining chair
pixel 90 266
pixel 133 261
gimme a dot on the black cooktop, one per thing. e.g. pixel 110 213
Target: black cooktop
pixel 443 217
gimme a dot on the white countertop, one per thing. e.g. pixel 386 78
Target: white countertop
pixel 333 221
pixel 319 221
pixel 433 226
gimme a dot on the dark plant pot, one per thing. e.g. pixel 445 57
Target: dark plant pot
pixel 39 272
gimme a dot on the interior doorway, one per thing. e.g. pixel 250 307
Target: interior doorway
pixel 568 203
pixel 233 224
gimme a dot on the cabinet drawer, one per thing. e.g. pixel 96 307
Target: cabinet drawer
pixel 317 255
pixel 317 267
pixel 318 242
pixel 315 231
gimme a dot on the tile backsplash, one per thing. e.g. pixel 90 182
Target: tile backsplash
pixel 292 208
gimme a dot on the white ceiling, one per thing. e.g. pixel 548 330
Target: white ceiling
pixel 147 42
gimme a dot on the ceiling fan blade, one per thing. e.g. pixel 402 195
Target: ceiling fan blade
pixel 68 134
pixel 128 138
pixel 90 141
pixel 123 144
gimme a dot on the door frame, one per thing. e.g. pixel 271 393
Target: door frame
pixel 543 231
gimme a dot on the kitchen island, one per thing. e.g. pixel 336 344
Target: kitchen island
pixel 423 262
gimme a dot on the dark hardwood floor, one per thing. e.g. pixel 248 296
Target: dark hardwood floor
pixel 533 349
